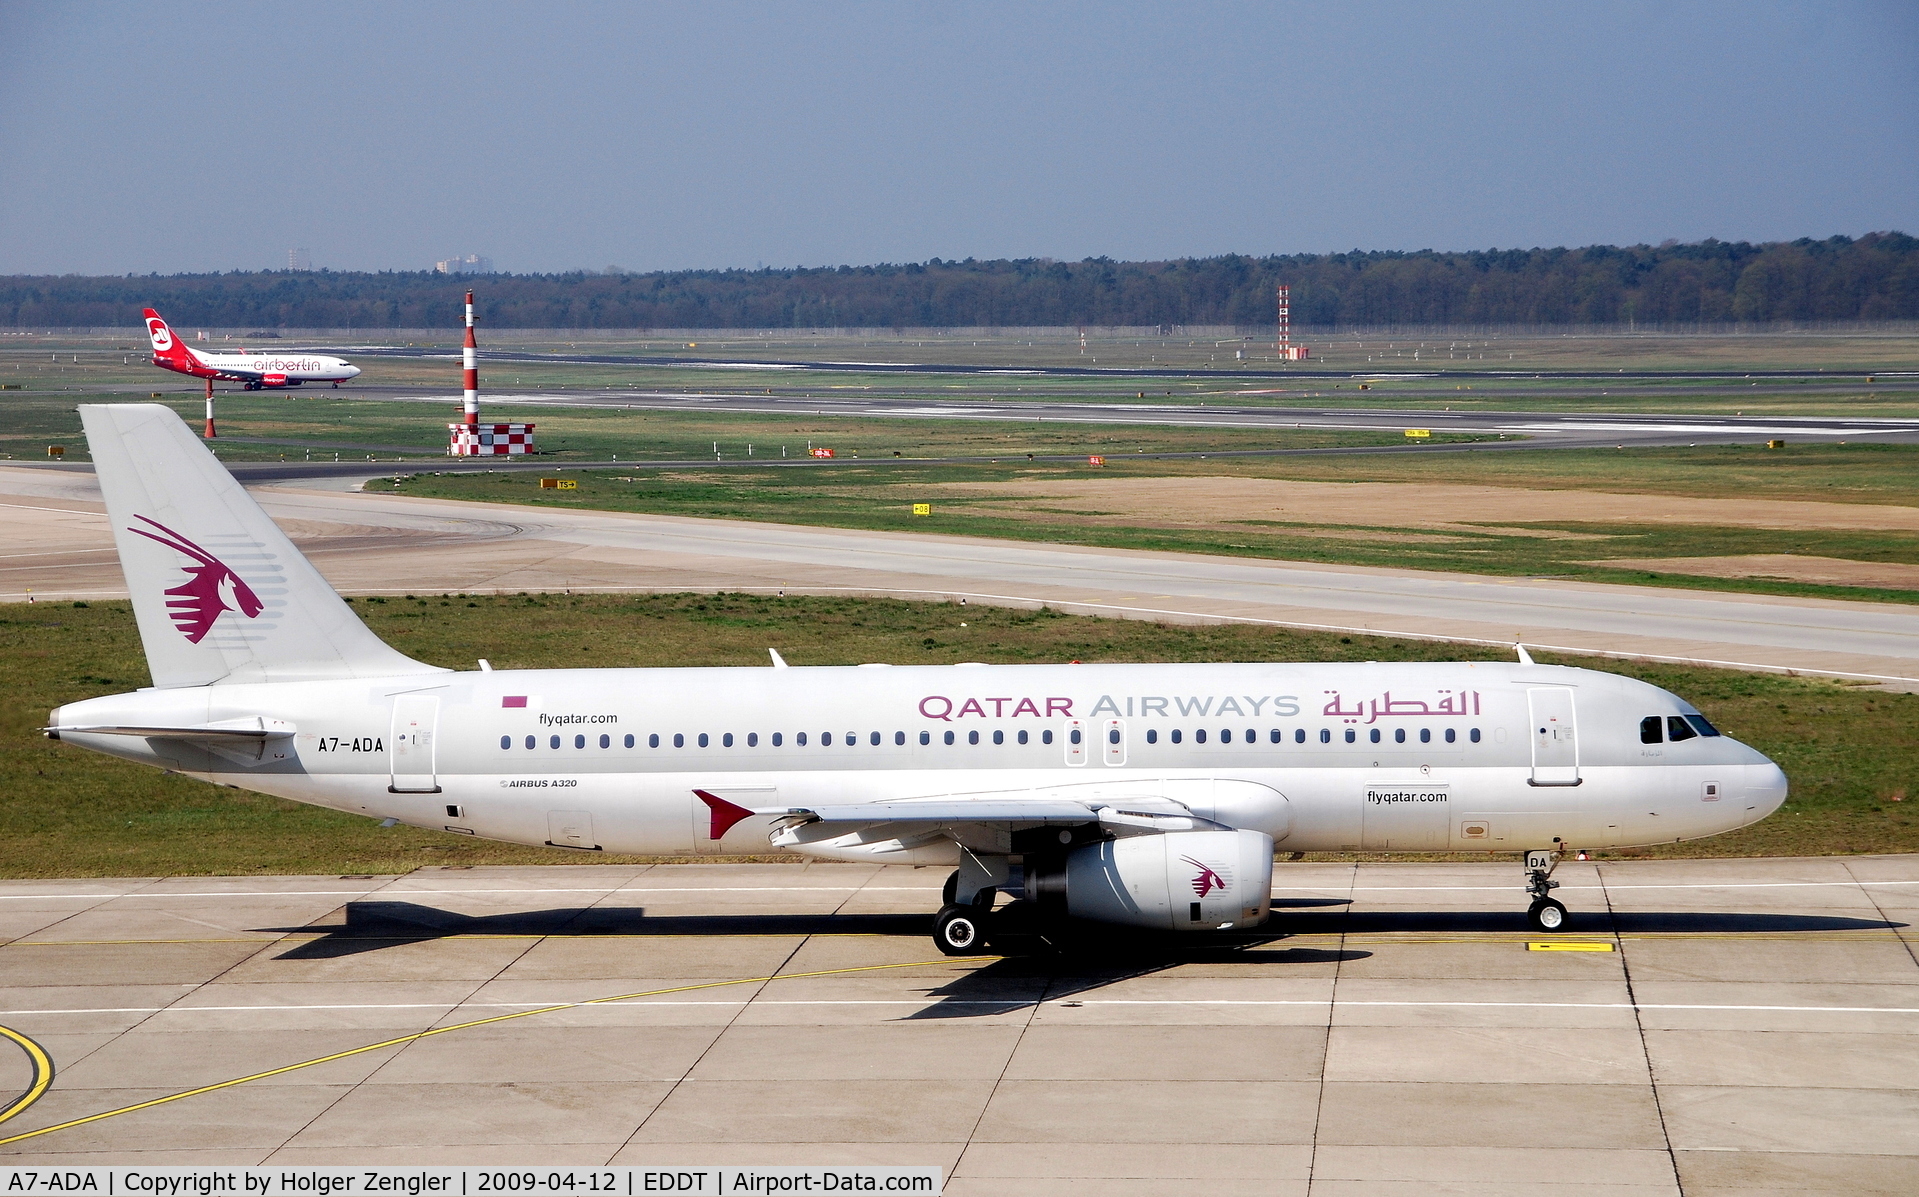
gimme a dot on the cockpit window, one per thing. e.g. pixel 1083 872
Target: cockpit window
pixel 1649 730
pixel 1700 725
pixel 1678 729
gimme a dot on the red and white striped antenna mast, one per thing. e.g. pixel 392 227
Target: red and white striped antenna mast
pixel 1285 320
pixel 470 359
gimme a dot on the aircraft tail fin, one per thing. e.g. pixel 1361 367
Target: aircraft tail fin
pixel 219 592
pixel 165 344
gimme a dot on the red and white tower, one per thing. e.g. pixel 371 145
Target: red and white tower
pixel 470 438
pixel 470 358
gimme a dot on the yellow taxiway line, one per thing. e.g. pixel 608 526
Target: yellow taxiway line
pixel 42 1073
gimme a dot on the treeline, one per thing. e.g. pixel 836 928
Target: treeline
pixel 1875 277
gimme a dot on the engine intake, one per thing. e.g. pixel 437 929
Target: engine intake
pixel 1179 881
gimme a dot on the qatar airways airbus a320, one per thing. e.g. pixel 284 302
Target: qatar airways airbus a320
pixel 1148 796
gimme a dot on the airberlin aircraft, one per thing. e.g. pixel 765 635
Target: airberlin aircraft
pixel 255 370
pixel 1149 796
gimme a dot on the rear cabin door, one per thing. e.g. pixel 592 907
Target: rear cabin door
pixel 1555 745
pixel 410 747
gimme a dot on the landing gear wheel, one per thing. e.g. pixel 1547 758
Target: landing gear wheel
pixel 1547 915
pixel 960 931
pixel 949 895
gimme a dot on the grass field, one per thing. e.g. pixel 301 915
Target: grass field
pixel 881 498
pixel 1850 753
pixel 866 486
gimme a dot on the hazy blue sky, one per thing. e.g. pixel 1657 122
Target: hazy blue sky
pixel 212 136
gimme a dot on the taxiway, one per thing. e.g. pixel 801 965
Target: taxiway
pixel 1701 1026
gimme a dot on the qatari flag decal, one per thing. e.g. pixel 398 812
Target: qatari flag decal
pixel 513 700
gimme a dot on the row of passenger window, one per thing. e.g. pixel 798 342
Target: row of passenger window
pixel 1278 736
pixel 778 739
pixel 874 739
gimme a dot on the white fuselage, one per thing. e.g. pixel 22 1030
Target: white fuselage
pixel 269 369
pixel 1461 757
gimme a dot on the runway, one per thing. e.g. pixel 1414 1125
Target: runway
pixel 1526 429
pixel 367 543
pixel 1720 1025
pixel 1542 429
pixel 863 366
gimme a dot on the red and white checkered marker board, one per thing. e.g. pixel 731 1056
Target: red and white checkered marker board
pixel 489 440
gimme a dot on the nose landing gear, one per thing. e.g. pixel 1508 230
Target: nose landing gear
pixel 1546 913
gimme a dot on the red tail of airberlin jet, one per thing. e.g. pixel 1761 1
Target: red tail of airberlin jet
pixel 254 370
pixel 168 352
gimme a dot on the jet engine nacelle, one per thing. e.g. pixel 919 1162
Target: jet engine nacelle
pixel 273 380
pixel 1176 881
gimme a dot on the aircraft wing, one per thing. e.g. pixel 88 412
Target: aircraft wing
pixel 954 817
pixel 1018 812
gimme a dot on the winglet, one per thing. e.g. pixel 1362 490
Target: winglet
pixel 725 814
pixel 1525 658
pixel 779 662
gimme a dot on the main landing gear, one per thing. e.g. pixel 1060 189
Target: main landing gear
pixel 959 929
pixel 1546 913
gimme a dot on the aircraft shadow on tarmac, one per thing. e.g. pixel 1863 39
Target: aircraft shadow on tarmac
pixel 1025 979
pixel 1033 965
pixel 374 926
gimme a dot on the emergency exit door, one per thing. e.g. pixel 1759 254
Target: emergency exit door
pixel 409 744
pixel 1555 742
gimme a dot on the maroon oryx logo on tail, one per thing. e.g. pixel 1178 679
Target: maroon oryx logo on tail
pixel 211 587
pixel 1206 880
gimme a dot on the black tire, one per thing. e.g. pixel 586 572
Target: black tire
pixel 1547 915
pixel 959 931
pixel 949 894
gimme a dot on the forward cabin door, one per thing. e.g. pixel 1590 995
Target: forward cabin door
pixel 1555 745
pixel 416 724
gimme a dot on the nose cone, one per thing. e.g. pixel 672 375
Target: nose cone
pixel 351 371
pixel 1765 790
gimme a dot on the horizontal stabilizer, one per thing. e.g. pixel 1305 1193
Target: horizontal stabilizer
pixel 249 730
